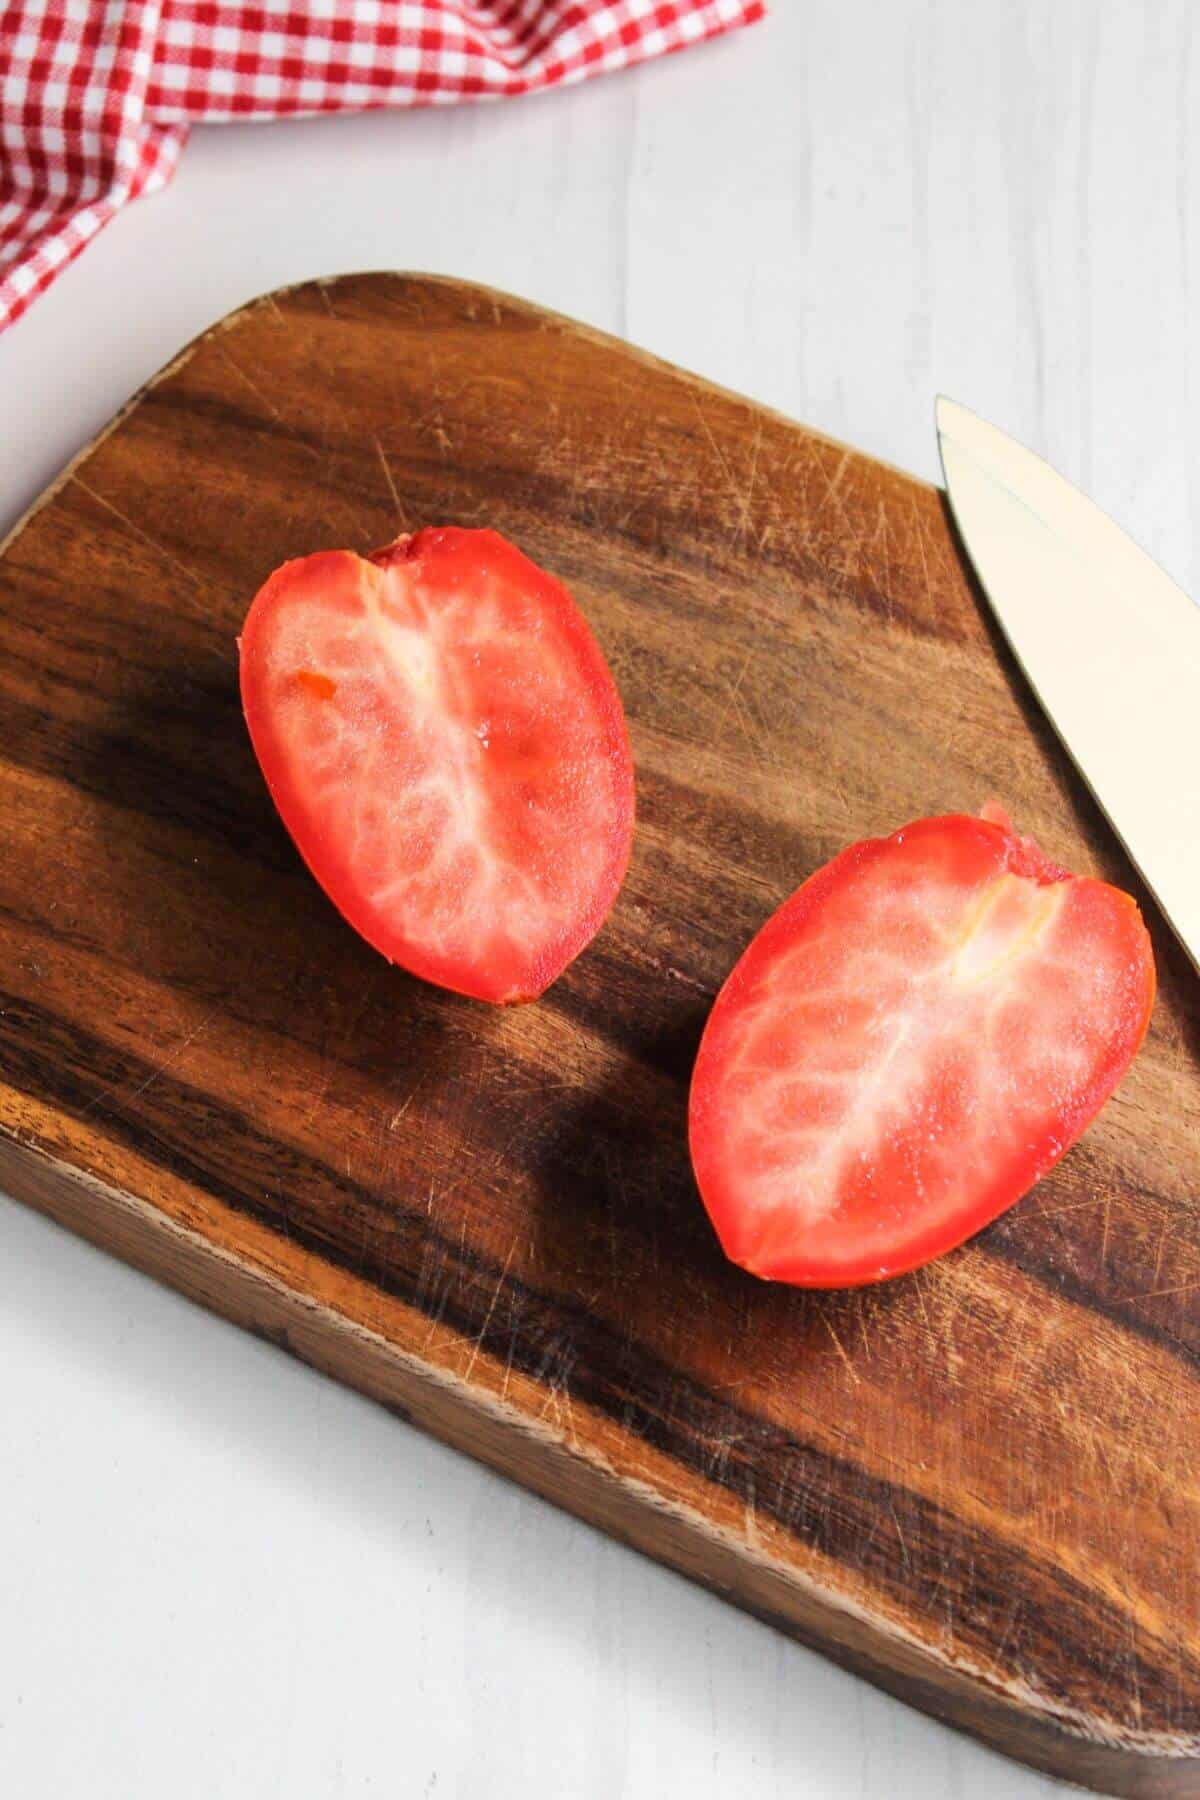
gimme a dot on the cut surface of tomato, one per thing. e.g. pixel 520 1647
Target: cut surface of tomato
pixel 912 1040
pixel 444 741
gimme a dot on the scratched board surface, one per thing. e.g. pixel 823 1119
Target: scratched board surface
pixel 978 1484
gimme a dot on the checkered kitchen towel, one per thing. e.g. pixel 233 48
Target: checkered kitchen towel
pixel 96 96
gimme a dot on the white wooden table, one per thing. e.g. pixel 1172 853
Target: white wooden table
pixel 221 1575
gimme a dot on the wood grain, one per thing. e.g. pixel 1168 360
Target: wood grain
pixel 977 1485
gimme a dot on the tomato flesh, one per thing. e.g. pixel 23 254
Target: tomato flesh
pixel 444 741
pixel 912 1040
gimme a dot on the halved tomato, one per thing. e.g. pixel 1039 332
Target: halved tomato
pixel 914 1038
pixel 446 745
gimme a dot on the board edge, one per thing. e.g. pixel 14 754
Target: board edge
pixel 509 1443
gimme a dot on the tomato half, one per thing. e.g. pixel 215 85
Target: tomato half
pixel 445 743
pixel 914 1038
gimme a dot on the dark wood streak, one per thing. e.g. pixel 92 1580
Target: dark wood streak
pixel 977 1484
pixel 1003 1241
pixel 1007 1246
pixel 547 1336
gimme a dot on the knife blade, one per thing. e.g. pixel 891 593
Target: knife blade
pixel 1108 642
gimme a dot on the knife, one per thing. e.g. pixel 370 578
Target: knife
pixel 1109 644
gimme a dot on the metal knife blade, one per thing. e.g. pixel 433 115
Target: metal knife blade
pixel 1109 643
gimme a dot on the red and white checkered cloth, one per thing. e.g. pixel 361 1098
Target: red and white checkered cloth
pixel 96 96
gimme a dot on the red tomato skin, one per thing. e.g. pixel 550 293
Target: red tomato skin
pixel 804 1265
pixel 335 573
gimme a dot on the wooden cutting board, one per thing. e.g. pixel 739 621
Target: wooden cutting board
pixel 978 1485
